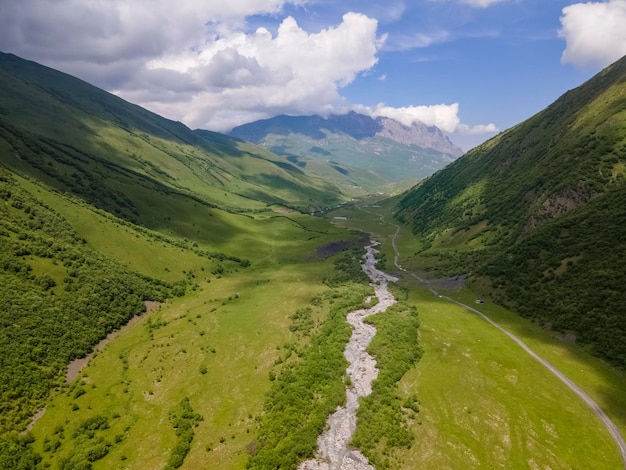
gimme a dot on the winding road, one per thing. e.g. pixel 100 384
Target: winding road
pixel 609 424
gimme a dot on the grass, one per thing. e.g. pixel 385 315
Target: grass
pixel 140 250
pixel 484 402
pixel 308 389
pixel 603 383
pixel 233 331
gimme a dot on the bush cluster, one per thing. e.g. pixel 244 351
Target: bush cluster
pixel 382 417
pixel 184 420
pixel 46 321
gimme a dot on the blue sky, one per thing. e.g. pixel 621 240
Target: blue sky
pixel 471 67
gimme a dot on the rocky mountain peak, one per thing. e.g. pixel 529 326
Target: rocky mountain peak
pixel 417 134
pixel 358 126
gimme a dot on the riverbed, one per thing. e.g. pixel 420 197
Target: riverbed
pixel 334 452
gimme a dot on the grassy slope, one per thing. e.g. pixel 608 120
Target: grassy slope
pixel 484 403
pixel 538 210
pixel 127 160
pixel 243 314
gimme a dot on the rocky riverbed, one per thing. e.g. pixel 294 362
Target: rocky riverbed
pixel 334 452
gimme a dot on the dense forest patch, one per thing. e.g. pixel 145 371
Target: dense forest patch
pixel 59 298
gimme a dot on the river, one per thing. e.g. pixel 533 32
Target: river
pixel 334 452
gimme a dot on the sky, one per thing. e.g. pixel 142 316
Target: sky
pixel 471 67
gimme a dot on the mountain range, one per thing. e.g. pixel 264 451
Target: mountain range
pixel 352 150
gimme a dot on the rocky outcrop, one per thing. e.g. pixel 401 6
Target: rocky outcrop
pixel 556 205
pixel 418 134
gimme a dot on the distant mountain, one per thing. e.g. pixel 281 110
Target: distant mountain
pixel 540 209
pixel 354 149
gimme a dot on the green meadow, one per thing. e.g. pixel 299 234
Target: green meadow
pixel 483 401
pixel 217 347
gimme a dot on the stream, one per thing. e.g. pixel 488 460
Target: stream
pixel 333 452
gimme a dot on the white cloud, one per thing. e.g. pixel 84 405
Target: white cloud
pixel 444 116
pixel 477 130
pixel 594 32
pixel 418 40
pixel 481 3
pixel 81 29
pixel 260 74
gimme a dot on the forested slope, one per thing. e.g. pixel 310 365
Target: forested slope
pixel 540 210
pixel 59 298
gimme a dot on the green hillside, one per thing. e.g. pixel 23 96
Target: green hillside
pixel 540 210
pixel 129 161
pixel 106 210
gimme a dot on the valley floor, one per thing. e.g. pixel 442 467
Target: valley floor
pixel 218 352
pixel 487 403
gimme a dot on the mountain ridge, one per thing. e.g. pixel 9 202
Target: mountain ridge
pixel 536 210
pixel 358 126
pixel 354 150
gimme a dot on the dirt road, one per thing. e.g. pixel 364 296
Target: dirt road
pixel 610 425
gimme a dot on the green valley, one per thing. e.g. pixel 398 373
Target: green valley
pixel 228 298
